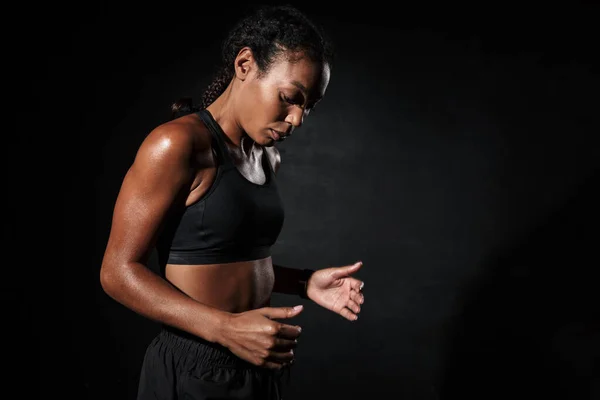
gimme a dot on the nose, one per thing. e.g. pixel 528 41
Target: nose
pixel 296 116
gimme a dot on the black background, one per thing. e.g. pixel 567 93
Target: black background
pixel 455 153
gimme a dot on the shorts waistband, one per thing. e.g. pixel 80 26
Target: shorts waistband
pixel 201 350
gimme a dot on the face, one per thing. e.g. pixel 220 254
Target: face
pixel 271 106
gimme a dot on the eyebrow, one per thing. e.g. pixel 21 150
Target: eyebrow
pixel 300 86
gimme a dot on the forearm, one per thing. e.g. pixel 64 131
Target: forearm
pixel 146 293
pixel 289 280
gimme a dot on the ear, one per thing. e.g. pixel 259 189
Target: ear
pixel 244 63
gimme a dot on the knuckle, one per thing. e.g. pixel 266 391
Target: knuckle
pixel 271 328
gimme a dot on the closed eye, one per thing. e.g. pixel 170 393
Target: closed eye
pixel 298 102
pixel 296 99
pixel 287 100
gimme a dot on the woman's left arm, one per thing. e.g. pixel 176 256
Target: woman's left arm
pixel 333 288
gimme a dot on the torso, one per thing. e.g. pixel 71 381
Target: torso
pixel 232 287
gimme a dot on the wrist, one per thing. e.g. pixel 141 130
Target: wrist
pixel 221 325
pixel 305 276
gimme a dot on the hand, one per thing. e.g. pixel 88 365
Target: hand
pixel 334 289
pixel 255 337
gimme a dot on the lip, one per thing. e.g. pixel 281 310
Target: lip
pixel 277 135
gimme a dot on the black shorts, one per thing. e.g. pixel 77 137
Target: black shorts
pixel 180 366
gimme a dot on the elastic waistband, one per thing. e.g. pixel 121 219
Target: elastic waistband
pixel 218 256
pixel 201 350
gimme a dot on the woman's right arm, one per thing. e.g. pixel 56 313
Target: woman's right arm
pixel 160 174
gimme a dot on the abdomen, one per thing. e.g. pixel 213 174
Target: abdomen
pixel 232 287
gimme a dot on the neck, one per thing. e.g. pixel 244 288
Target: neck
pixel 222 111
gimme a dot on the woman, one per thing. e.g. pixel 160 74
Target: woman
pixel 202 190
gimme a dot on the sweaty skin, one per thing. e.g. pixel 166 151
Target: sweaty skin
pixel 278 101
pixel 231 287
pixel 175 165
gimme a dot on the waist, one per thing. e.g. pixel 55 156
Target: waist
pixel 199 350
pixel 194 352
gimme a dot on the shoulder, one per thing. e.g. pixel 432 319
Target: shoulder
pixel 274 157
pixel 179 139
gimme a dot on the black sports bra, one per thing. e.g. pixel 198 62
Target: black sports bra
pixel 235 220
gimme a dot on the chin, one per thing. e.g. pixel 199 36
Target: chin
pixel 266 141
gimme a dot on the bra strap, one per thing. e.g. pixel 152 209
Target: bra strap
pixel 218 135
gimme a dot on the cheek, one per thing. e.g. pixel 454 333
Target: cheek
pixel 262 106
pixel 270 101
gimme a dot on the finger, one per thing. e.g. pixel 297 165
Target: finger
pixel 281 357
pixel 281 312
pixel 348 314
pixel 284 344
pixel 352 305
pixel 357 284
pixel 341 272
pixel 357 297
pixel 272 365
pixel 289 332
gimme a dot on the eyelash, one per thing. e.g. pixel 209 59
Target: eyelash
pixel 290 101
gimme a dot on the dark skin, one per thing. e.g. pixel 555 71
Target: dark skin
pixel 228 304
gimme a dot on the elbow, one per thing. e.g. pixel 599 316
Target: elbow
pixel 105 279
pixel 109 280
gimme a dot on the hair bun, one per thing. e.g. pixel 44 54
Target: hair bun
pixel 181 107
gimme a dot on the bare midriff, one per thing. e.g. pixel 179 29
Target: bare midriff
pixel 232 287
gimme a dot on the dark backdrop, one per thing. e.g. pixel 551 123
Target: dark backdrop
pixel 455 153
